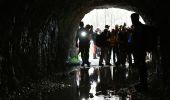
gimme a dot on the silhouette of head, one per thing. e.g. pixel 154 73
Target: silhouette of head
pixel 81 24
pixel 135 18
pixel 88 26
pixel 107 26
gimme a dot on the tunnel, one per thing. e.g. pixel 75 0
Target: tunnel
pixel 36 35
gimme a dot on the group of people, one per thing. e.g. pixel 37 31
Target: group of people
pixel 118 41
pixel 123 41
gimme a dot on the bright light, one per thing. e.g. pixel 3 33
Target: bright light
pixel 91 71
pixel 83 99
pixel 78 78
pixel 127 75
pixel 98 33
pixel 98 79
pixel 93 88
pixel 111 16
pixel 83 34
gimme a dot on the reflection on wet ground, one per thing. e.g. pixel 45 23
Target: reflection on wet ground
pixel 100 83
pixel 86 83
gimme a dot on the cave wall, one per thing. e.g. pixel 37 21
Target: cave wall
pixel 36 35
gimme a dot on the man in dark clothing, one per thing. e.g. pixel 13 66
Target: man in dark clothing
pixel 123 38
pixel 139 50
pixel 113 44
pixel 129 47
pixel 83 35
pixel 105 35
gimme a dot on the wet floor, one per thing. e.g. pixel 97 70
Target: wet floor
pixel 87 83
pixel 103 83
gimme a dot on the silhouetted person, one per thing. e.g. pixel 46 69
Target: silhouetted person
pixel 105 35
pixel 123 44
pixel 113 45
pixel 94 34
pixel 129 47
pixel 117 51
pixel 83 35
pixel 139 50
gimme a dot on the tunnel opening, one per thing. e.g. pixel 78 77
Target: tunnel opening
pixel 98 18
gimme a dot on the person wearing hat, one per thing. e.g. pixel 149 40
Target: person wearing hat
pixel 107 26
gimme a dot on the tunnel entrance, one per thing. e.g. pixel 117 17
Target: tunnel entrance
pixel 98 18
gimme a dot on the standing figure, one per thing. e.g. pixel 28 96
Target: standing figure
pixel 83 35
pixel 113 44
pixel 105 35
pixel 94 45
pixel 139 50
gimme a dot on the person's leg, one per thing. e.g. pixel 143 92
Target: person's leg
pixel 94 51
pixel 117 50
pixel 143 70
pixel 124 55
pixel 107 55
pixel 114 55
pixel 86 55
pixel 82 55
pixel 101 57
pixel 121 54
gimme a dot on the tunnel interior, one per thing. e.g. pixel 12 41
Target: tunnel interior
pixel 36 36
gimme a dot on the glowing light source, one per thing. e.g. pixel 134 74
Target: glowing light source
pixel 83 34
pixel 83 99
pixel 127 75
